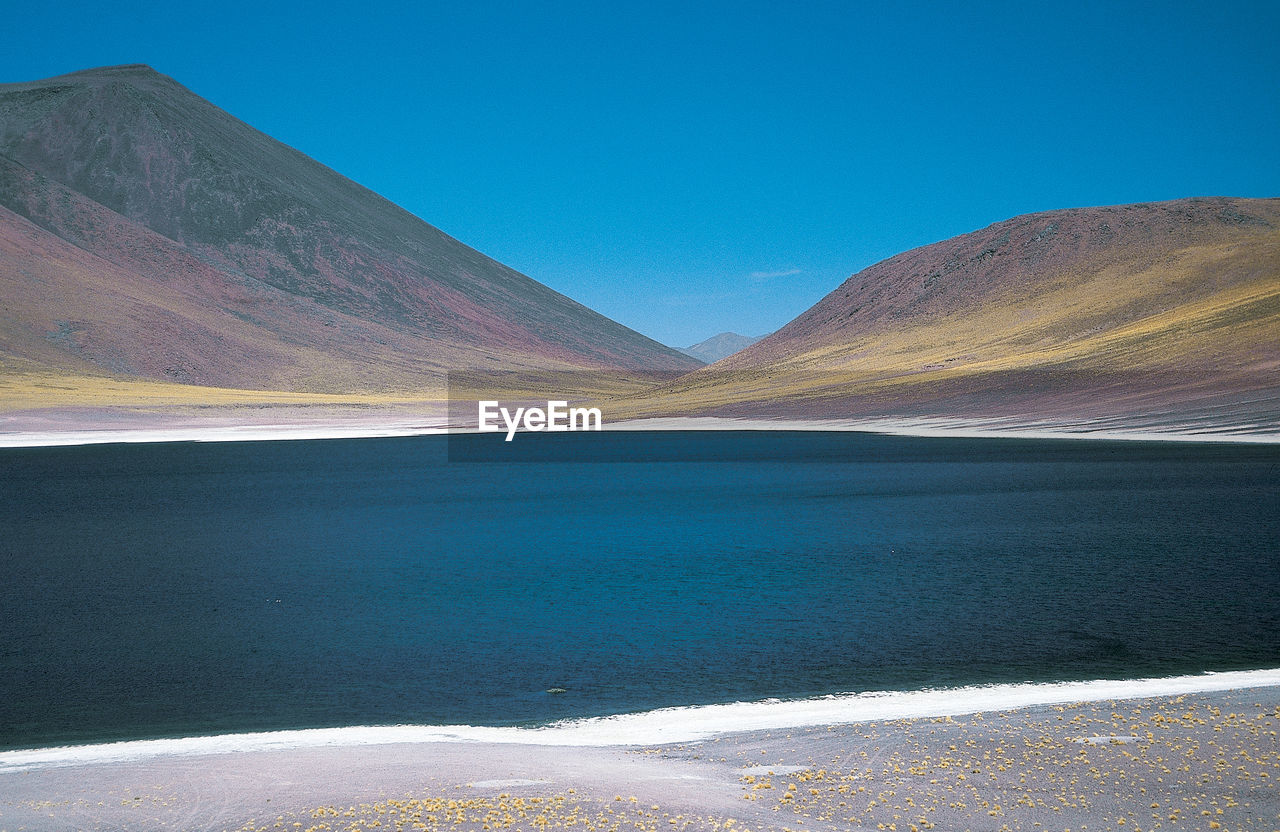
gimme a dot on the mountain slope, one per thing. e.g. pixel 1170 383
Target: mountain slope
pixel 719 346
pixel 1162 310
pixel 148 233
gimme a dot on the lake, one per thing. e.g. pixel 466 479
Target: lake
pixel 177 589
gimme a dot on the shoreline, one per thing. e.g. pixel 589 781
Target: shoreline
pixel 237 433
pixel 678 724
pixel 954 427
pixel 1190 760
pixel 368 426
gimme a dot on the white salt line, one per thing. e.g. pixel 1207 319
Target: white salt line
pixel 667 725
pixel 239 433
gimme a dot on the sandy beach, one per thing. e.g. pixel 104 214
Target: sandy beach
pixel 1191 761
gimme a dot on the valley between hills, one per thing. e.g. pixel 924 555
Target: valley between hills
pixel 162 263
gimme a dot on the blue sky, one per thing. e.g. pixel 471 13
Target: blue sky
pixel 689 168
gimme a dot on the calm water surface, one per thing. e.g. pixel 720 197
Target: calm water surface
pixel 177 589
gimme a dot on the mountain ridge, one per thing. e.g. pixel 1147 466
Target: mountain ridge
pixel 315 281
pixel 1077 314
pixel 146 234
pixel 722 345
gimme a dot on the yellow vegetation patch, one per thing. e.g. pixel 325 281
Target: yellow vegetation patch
pixel 34 391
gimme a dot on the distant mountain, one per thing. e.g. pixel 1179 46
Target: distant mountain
pixel 145 233
pixel 1163 312
pixel 719 346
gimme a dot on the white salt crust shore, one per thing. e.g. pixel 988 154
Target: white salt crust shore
pixel 664 726
pixel 905 426
pixel 939 426
pixel 237 433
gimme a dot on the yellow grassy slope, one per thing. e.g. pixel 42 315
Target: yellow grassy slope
pixel 1147 319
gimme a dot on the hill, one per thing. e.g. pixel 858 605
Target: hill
pixel 719 346
pixel 1159 314
pixel 146 234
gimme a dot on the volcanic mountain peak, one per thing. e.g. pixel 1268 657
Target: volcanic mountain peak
pixel 147 147
pixel 719 346
pixel 138 70
pixel 211 253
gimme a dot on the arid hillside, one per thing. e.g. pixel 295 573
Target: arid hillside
pixel 146 234
pixel 1164 312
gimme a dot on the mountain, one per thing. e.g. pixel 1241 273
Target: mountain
pixel 146 234
pixel 719 346
pixel 1162 313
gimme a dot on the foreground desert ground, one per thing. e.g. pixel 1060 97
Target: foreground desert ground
pixel 1190 762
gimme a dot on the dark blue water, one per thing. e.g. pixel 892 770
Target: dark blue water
pixel 177 589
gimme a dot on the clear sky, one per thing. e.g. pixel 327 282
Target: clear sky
pixel 688 168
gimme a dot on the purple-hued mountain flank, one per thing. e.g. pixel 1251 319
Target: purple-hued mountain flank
pixel 145 233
